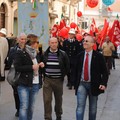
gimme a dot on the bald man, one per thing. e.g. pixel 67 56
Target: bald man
pixel 91 78
pixel 56 67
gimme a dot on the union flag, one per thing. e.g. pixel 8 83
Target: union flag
pixel 114 33
pixel 93 28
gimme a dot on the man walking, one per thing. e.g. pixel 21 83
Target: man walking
pixel 72 48
pixel 56 67
pixel 21 41
pixel 91 79
pixel 107 50
pixel 3 52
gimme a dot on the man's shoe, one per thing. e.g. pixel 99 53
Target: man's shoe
pixel 70 87
pixel 58 118
pixel 17 114
pixel 68 84
pixel 2 78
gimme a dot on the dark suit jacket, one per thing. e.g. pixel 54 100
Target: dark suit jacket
pixel 98 71
pixel 72 49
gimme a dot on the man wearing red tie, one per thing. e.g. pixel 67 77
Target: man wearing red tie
pixel 92 77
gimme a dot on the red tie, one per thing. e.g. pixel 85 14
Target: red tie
pixel 86 73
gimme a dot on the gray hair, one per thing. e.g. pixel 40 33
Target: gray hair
pixel 21 35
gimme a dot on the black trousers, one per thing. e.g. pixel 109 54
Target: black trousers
pixel 71 75
pixel 16 97
pixel 108 60
pixel 113 62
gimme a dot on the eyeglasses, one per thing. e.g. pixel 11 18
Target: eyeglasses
pixel 87 41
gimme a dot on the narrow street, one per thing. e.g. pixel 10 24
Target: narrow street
pixel 108 103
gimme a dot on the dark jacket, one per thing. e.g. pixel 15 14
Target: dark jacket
pixel 63 61
pixel 72 49
pixel 23 64
pixel 99 74
pixel 12 53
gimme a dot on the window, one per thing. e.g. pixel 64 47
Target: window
pixel 84 25
pixel 2 16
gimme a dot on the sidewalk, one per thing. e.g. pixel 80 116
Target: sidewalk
pixel 108 103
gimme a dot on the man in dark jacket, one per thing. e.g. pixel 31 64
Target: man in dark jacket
pixel 72 48
pixel 22 38
pixel 56 67
pixel 92 77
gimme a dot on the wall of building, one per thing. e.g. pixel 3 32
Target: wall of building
pixel 98 13
pixel 70 13
pixel 9 15
pixel 63 7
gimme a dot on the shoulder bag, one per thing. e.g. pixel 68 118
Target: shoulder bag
pixel 13 76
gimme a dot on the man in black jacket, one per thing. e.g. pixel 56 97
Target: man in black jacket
pixel 56 67
pixel 72 48
pixel 92 77
pixel 21 39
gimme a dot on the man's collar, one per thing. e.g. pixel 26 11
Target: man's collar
pixel 53 51
pixel 90 52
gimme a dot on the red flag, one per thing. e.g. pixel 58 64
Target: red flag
pixel 93 28
pixel 62 24
pixel 103 33
pixel 54 30
pixel 95 47
pixel 77 29
pixel 114 32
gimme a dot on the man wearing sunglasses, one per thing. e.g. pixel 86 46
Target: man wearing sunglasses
pixel 91 78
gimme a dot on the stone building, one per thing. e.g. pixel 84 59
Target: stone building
pixel 99 13
pixel 67 8
pixel 8 16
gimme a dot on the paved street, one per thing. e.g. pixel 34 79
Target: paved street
pixel 108 103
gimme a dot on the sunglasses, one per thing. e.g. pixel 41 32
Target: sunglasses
pixel 85 41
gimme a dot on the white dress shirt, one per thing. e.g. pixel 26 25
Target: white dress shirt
pixel 89 66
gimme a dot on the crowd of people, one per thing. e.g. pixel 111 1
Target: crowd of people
pixel 87 70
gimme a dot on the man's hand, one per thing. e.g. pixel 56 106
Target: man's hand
pixel 41 64
pixel 35 67
pixel 102 87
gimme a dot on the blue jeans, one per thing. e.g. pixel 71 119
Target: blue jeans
pixel 84 90
pixel 27 96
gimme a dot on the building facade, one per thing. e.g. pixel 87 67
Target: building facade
pixel 99 13
pixel 8 16
pixel 67 8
